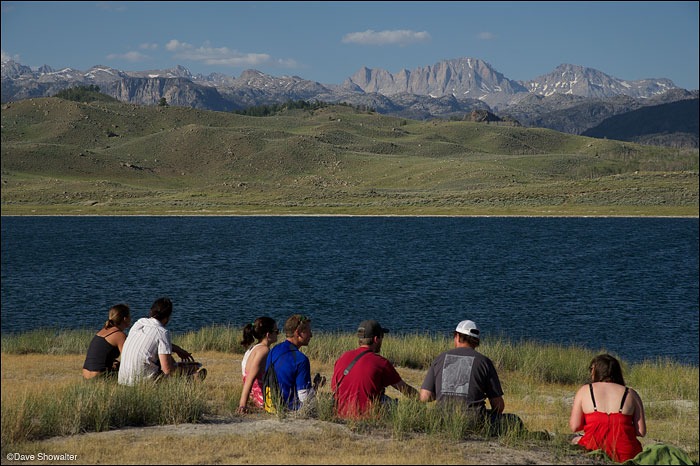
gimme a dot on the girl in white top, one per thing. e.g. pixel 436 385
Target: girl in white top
pixel 265 331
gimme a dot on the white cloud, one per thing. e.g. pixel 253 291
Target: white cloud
pixel 486 36
pixel 396 37
pixel 111 6
pixel 132 57
pixel 148 46
pixel 6 57
pixel 288 63
pixel 223 55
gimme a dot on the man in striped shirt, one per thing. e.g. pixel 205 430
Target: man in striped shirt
pixel 147 351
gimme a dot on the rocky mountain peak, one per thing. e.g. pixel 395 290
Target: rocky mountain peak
pixel 589 82
pixel 45 69
pixel 180 71
pixel 12 70
pixel 461 77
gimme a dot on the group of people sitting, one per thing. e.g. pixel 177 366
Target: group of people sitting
pixel 610 414
pixel 146 353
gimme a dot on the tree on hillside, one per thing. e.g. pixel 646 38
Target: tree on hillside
pixel 163 102
pixel 89 93
pixel 274 109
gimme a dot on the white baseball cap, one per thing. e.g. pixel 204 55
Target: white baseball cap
pixel 468 327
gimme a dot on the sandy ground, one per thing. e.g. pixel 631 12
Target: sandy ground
pixel 475 451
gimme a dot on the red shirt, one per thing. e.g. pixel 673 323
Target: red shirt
pixel 364 384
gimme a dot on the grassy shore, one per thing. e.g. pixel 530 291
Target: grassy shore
pixel 45 402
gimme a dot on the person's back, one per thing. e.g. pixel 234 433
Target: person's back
pixel 364 384
pixel 465 376
pixel 607 399
pixel 105 347
pixel 361 375
pixel 140 354
pixel 101 354
pixel 293 372
pixel 610 414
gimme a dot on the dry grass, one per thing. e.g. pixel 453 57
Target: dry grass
pixel 230 438
pixel 325 445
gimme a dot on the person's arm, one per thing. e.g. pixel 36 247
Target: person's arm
pixel 305 396
pixel 576 418
pixel 184 355
pixel 167 363
pixel 308 393
pixel 118 341
pixel 640 424
pixel 426 395
pixel 406 389
pixel 254 366
pixel 497 404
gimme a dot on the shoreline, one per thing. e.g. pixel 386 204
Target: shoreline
pixel 71 341
pixel 355 215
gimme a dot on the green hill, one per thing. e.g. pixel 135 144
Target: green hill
pixel 672 124
pixel 60 156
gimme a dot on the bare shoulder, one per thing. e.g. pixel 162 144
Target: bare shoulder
pixel 260 351
pixel 116 337
pixel 581 391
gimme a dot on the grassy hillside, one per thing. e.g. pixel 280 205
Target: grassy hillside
pixel 63 157
pixel 677 122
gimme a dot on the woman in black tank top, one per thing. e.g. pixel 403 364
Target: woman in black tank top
pixel 106 345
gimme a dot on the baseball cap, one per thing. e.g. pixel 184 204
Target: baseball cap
pixel 468 327
pixel 370 329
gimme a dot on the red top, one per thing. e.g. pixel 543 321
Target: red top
pixel 615 433
pixel 364 384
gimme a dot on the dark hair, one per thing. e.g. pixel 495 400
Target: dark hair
pixel 161 309
pixel 117 315
pixel 257 330
pixel 468 339
pixel 294 323
pixel 607 369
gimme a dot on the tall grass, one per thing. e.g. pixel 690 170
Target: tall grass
pixel 541 362
pixel 411 416
pixel 99 405
pixel 47 341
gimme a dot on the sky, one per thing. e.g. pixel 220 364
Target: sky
pixel 328 42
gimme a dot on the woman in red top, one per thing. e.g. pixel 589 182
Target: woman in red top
pixel 610 414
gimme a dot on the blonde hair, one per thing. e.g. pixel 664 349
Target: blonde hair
pixel 117 315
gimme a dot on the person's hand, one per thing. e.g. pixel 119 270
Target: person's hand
pixel 183 354
pixel 319 381
pixel 242 410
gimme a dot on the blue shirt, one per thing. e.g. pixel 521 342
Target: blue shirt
pixel 293 371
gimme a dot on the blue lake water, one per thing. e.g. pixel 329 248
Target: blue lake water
pixel 627 285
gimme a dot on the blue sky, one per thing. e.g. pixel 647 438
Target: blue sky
pixel 329 41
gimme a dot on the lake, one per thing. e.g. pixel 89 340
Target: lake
pixel 627 285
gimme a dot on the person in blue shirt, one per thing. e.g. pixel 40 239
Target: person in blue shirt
pixel 292 366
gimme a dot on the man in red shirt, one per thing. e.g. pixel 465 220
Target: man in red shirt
pixel 361 375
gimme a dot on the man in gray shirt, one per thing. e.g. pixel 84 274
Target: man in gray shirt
pixel 464 377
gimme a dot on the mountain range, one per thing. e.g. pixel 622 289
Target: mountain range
pixel 571 98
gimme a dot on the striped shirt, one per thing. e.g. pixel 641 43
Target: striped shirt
pixel 146 340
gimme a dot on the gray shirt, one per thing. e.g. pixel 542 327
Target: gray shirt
pixel 463 375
